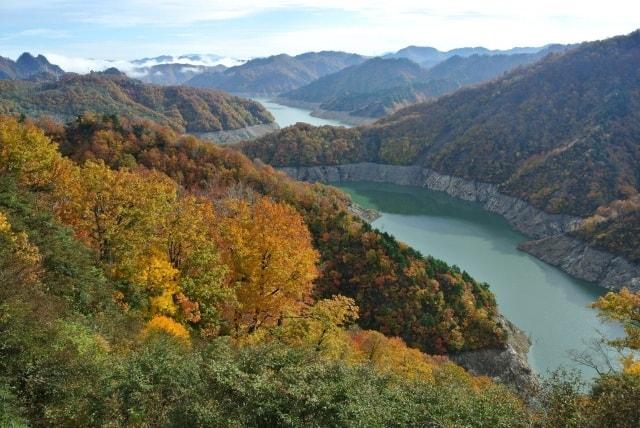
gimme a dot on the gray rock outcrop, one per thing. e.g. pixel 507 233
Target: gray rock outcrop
pixel 509 365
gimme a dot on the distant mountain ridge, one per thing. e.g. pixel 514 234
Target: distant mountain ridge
pixel 379 86
pixel 28 66
pixel 112 93
pixel 276 74
pixel 429 56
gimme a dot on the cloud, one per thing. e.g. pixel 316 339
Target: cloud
pixel 181 12
pixel 249 28
pixel 85 65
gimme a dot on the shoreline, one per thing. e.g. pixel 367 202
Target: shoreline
pixel 316 111
pixel 548 232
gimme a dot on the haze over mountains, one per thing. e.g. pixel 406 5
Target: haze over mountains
pixel 428 56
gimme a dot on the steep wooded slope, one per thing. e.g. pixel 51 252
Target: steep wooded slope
pixel 183 108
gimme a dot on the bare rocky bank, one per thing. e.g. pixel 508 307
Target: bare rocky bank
pixel 509 365
pixel 549 231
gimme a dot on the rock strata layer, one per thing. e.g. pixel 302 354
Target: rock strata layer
pixel 550 243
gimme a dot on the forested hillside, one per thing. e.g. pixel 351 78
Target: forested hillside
pixel 276 74
pixel 356 261
pixel 129 296
pixel 372 75
pixel 112 93
pixel 162 281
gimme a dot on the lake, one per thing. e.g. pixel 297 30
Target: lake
pixel 287 116
pixel 549 305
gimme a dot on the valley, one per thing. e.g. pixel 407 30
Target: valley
pixel 299 214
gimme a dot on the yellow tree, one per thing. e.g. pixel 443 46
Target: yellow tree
pixel 624 307
pixel 27 154
pixel 20 261
pixel 121 214
pixel 191 244
pixel 321 327
pixel 272 263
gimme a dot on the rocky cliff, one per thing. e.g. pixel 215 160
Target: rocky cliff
pixel 578 259
pixel 509 365
pixel 550 244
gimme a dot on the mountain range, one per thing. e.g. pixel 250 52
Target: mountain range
pixel 428 56
pixel 561 134
pixel 276 74
pixel 379 86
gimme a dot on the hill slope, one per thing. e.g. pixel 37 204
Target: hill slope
pixel 372 75
pixel 277 73
pixel 190 300
pixel 183 108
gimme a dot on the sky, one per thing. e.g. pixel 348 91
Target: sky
pixel 74 30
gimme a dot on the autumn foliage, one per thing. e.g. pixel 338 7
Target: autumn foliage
pixel 399 292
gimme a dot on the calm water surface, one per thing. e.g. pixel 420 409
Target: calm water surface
pixel 286 116
pixel 548 304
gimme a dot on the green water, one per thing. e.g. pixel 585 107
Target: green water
pixel 549 305
pixel 286 116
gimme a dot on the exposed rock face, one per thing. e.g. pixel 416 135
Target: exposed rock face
pixel 578 259
pixel 509 366
pixel 237 135
pixel 521 215
pixel 551 244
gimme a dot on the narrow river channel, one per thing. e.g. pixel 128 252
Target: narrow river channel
pixel 549 305
pixel 287 116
